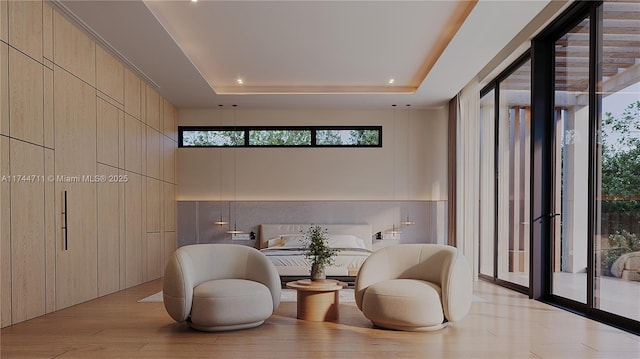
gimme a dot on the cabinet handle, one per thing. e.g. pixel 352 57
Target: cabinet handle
pixel 65 227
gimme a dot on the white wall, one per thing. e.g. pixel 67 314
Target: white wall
pixel 418 144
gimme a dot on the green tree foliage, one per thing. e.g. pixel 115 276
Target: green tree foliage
pixel 212 138
pixel 621 160
pixel 364 137
pixel 280 138
pixel 347 137
pixel 316 247
pixel 328 137
pixel 620 181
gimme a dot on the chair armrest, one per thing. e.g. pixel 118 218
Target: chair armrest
pixel 374 269
pixel 177 286
pixel 262 270
pixel 457 288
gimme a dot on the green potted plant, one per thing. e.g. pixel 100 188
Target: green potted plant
pixel 317 251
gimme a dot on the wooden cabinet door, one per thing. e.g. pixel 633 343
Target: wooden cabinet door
pixel 75 168
pixel 108 231
pixel 27 232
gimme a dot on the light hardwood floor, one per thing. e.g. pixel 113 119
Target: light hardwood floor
pixel 504 325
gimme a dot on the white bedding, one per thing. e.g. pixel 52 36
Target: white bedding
pixel 346 263
pixel 284 247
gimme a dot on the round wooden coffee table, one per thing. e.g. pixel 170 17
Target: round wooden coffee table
pixel 318 300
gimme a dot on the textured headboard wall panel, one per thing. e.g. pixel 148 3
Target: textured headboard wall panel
pixel 269 231
pixel 196 218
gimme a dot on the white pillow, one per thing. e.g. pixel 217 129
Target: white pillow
pixel 274 242
pixel 292 240
pixel 345 241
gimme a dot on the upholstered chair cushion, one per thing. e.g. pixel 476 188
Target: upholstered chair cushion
pixel 217 287
pixel 405 304
pixel 414 287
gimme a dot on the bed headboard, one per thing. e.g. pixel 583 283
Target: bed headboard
pixel 269 231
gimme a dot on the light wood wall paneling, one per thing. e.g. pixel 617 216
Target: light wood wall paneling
pixel 122 233
pixel 25 27
pixel 170 245
pixel 108 121
pixel 76 266
pixel 108 231
pixel 152 103
pixel 5 235
pixel 169 159
pixel 153 204
pixel 4 21
pixel 143 226
pixel 109 75
pixel 133 142
pixel 75 155
pixel 50 228
pixel 28 280
pixel 110 100
pixel 143 149
pixel 170 120
pixel 4 89
pixel 154 152
pixel 133 230
pixel 47 31
pixel 73 50
pixel 75 125
pixel 71 97
pixel 154 256
pixel 26 91
pixel 132 94
pixel 121 139
pixel 143 102
pixel 169 207
pixel 48 63
pixel 49 139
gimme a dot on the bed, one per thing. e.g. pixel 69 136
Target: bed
pixel 282 244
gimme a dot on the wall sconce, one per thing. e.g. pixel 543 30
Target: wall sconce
pixel 394 231
pixel 407 222
pixel 221 222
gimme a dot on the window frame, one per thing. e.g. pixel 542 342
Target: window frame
pixel 248 129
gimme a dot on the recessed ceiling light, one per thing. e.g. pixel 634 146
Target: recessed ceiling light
pixel 391 81
pixel 240 81
pixel 194 0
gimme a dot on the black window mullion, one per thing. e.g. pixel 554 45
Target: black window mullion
pixel 313 132
pixel 595 57
pixel 496 177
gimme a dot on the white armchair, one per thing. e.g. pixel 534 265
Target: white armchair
pixel 218 287
pixel 414 287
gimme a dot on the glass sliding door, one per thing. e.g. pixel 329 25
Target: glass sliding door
pixel 570 217
pixel 596 214
pixel 505 173
pixel 559 202
pixel 617 199
pixel 487 194
pixel 514 152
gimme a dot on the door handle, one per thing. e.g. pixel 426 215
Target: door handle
pixel 66 223
pixel 548 215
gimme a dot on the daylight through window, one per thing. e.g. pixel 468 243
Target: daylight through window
pixel 303 136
